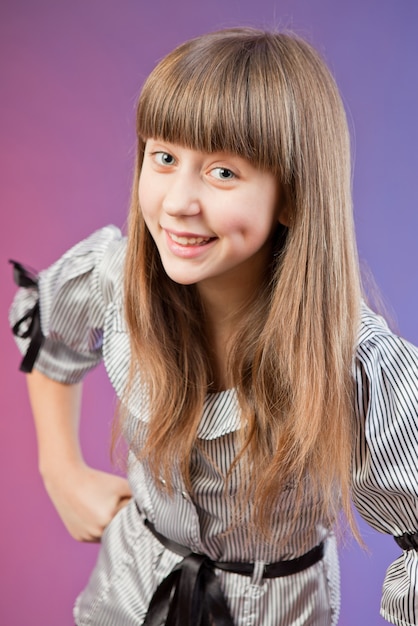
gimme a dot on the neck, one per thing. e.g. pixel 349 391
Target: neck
pixel 226 305
pixel 226 298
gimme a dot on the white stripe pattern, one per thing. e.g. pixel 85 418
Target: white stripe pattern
pixel 82 319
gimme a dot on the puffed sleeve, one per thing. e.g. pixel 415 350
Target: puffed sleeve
pixel 70 298
pixel 385 467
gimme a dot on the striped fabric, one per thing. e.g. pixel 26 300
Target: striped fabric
pixel 82 319
pixel 385 468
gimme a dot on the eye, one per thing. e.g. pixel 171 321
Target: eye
pixel 164 158
pixel 223 173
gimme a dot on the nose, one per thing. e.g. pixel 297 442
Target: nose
pixel 181 196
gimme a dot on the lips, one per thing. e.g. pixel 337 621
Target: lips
pixel 189 240
pixel 185 245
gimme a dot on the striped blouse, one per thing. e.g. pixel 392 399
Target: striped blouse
pixel 82 320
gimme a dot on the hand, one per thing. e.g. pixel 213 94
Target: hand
pixel 86 499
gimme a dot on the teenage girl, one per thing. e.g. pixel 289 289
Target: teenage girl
pixel 257 392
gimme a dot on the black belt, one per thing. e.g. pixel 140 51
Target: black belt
pixel 191 594
pixel 407 541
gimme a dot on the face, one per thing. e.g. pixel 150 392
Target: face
pixel 211 216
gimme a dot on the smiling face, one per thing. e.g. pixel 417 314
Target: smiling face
pixel 211 215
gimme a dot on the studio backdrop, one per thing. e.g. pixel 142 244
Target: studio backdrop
pixel 70 76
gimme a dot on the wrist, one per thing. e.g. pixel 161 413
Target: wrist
pixel 58 466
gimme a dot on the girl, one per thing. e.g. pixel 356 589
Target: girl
pixel 256 391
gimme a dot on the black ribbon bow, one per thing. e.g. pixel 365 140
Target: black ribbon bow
pixel 197 600
pixel 30 324
pixel 190 595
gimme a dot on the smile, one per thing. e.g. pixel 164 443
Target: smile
pixel 188 246
pixel 189 241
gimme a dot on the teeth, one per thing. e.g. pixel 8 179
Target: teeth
pixel 189 241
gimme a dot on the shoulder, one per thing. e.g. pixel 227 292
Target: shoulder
pixel 371 325
pixel 75 291
pixel 89 253
pixel 386 376
pixel 93 264
pixel 379 347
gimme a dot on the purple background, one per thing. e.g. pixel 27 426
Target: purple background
pixel 70 74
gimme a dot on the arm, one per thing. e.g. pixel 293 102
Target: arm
pixel 86 499
pixel 385 461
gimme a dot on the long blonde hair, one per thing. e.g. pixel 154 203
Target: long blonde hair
pixel 269 98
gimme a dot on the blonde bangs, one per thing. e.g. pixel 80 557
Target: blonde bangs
pixel 215 95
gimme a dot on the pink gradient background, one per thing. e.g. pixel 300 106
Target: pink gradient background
pixel 70 74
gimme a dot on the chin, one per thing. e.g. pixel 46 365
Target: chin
pixel 180 280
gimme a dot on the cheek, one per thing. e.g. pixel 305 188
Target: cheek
pixel 142 188
pixel 146 199
pixel 228 222
pixel 237 216
pixel 247 234
pixel 253 221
